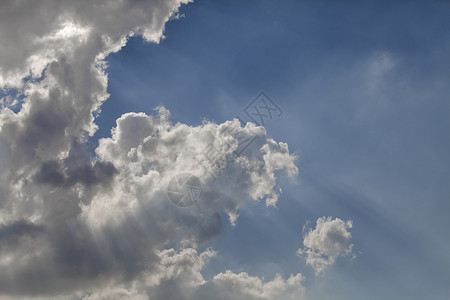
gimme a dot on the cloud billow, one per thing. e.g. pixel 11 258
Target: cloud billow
pixel 74 225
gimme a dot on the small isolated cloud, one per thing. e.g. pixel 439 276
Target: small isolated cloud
pixel 324 244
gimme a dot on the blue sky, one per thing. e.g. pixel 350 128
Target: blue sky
pixel 364 89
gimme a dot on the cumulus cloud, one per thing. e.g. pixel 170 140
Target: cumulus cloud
pixel 178 277
pixel 96 226
pixel 325 243
pixel 35 34
pixel 150 150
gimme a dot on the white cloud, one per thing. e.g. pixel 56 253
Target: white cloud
pixel 66 41
pixel 325 243
pixel 178 276
pixel 71 223
pixel 242 286
pixel 150 150
pixel 106 220
pixel 34 34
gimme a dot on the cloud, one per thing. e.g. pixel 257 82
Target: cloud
pixel 93 222
pixel 36 34
pixel 324 244
pixel 179 277
pixel 96 226
pixel 150 151
pixel 231 285
pixel 53 51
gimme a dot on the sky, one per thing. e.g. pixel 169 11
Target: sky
pixel 342 194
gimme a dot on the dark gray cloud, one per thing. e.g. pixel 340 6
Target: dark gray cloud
pixel 11 234
pixel 75 169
